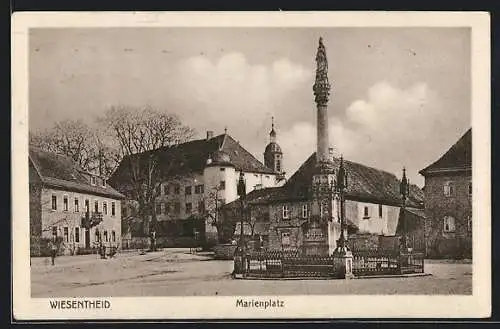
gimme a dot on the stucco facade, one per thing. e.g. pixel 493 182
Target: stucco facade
pixel 448 195
pixel 65 221
pixel 449 225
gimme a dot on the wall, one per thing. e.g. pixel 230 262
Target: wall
pixel 72 219
pixel 385 225
pixel 35 219
pixel 439 243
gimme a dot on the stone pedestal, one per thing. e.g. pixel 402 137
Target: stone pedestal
pixel 342 263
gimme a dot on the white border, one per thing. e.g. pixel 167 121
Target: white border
pixel 341 306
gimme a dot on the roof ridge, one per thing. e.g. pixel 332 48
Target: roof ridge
pixel 448 151
pixel 35 165
pixel 244 149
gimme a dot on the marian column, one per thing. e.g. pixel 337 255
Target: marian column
pixel 323 184
pixel 321 90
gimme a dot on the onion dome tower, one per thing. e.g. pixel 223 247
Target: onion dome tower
pixel 273 155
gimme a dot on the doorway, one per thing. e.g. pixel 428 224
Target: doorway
pixel 87 238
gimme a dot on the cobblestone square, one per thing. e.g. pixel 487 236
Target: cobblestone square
pixel 177 272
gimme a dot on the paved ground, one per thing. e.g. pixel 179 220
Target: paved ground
pixel 176 272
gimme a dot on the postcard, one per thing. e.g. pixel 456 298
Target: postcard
pixel 251 165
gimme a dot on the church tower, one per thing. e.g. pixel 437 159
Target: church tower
pixel 273 156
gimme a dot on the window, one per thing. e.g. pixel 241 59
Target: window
pixel 166 189
pixel 365 212
pixel 177 208
pixel 97 235
pixel 380 212
pixel 113 236
pixel 470 188
pixel 112 208
pixel 54 202
pixel 87 206
pixel 124 212
pixel 199 189
pixel 285 212
pixel 158 208
pixel 96 206
pixel 77 205
pixel 105 236
pixel 449 224
pixel 177 189
pixel 189 207
pixel 222 169
pixel 278 165
pixel 92 180
pixel 66 234
pixel 267 176
pixel 448 189
pixel 103 183
pixel 285 239
pixel 201 207
pixel 65 203
pixel 105 207
pixel 222 184
pixel 54 231
pixel 188 190
pixel 77 234
pixel 304 211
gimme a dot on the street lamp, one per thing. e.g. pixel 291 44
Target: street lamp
pixel 342 255
pixel 404 189
pixel 340 188
pixel 239 255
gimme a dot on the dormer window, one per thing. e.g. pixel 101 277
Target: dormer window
pixel 103 182
pixel 93 180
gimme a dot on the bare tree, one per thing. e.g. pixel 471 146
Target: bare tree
pixel 82 143
pixel 138 133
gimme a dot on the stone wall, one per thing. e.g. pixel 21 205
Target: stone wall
pixel 35 219
pixel 441 244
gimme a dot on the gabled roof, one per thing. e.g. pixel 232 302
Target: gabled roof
pixel 457 158
pixel 364 184
pixel 58 171
pixel 192 157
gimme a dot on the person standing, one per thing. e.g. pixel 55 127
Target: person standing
pixel 53 250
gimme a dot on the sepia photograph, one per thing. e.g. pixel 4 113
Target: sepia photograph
pixel 251 166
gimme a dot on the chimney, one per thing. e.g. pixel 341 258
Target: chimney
pixel 210 134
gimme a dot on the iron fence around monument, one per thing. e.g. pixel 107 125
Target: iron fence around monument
pixel 295 264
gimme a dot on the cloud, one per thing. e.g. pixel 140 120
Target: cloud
pixel 385 129
pixel 221 90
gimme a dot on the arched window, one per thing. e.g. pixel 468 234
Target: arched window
pixel 448 224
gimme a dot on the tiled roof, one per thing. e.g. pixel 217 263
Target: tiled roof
pixel 364 184
pixel 192 157
pixel 61 172
pixel 458 157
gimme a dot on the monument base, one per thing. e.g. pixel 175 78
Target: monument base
pixel 342 263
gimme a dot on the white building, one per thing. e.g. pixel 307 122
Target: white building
pixel 202 178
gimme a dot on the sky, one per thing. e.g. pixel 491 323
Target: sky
pixel 400 96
